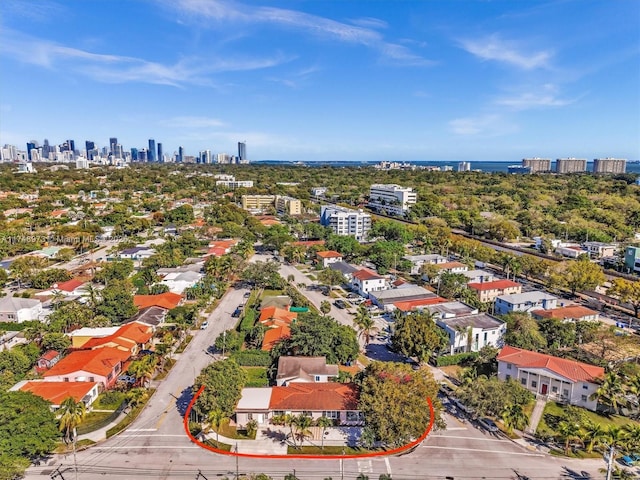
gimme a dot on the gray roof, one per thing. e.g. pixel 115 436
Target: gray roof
pixel 343 267
pixel 13 304
pixel 484 321
pixel 457 309
pixel 425 258
pixel 151 316
pixel 254 399
pixel 477 273
pixel 399 294
pixel 280 301
pixel 304 367
pixel 526 297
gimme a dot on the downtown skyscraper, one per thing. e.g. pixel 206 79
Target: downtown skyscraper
pixel 151 153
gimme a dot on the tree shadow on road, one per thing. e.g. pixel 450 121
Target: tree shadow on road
pixel 568 473
pixel 182 402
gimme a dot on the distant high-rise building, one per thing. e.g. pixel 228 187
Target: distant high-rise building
pixel 609 165
pixel 30 146
pixel 134 154
pixel 180 154
pixel 571 165
pixel 113 141
pixel 142 155
pixel 391 198
pixel 464 166
pixel 46 148
pixel 344 221
pixel 151 152
pixel 242 151
pixel 90 147
pixel 160 156
pixel 537 165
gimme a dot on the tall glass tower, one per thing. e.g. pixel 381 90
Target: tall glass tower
pixel 242 151
pixel 160 159
pixel 151 153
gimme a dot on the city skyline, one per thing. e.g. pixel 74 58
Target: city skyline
pixel 312 81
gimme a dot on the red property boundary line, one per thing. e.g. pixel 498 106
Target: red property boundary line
pixel 302 456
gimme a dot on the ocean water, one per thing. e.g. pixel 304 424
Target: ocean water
pixel 485 166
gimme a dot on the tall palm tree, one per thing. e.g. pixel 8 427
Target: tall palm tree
pixel 514 417
pixel 610 392
pixel 302 423
pixel 568 431
pixel 71 415
pixel 137 396
pixel 632 436
pixel 215 419
pixel 324 423
pixel 290 421
pixel 366 328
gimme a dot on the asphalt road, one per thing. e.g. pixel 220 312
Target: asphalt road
pixel 155 445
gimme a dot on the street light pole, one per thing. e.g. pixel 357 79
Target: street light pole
pixel 612 451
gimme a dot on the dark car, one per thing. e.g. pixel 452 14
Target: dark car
pixel 237 311
pixel 247 294
pixel 340 304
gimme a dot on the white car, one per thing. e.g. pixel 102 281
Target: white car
pixel 204 325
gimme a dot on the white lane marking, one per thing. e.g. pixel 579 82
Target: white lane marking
pixel 473 438
pixel 142 429
pixel 501 452
pixel 154 435
pixel 386 461
pixel 455 428
pixel 365 466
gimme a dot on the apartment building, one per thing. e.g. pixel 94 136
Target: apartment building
pixel 571 165
pixel 609 165
pixel 537 165
pixel 288 205
pixel 257 203
pixel 391 198
pixel 344 221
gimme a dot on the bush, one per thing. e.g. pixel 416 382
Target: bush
pixel 252 358
pixel 456 359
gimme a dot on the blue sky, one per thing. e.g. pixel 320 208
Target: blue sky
pixel 327 80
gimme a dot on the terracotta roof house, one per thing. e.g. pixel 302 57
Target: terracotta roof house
pixel 274 316
pixel 58 392
pixel 489 291
pixel 570 313
pixel 70 287
pixel 365 281
pixel 407 306
pixel 219 248
pixel 292 369
pixel 273 335
pixel 338 401
pixel 327 257
pixel 102 365
pixel 130 337
pixel 166 300
pixel 551 377
pixel 47 360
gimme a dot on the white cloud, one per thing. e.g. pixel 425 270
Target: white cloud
pixel 546 96
pixel 359 33
pixel 487 125
pixel 494 48
pixel 121 69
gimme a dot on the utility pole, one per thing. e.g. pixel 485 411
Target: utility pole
pixel 612 452
pixel 57 474
pixel 237 464
pixel 200 474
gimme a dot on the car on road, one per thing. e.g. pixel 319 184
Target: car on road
pixel 246 294
pixel 204 325
pixel 340 304
pixel 488 424
pixel 628 461
pixel 236 313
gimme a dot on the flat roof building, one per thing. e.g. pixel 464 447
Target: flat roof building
pixel 571 165
pixel 609 165
pixel 537 165
pixel 391 198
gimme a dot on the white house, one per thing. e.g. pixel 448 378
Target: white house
pixel 417 261
pixel 478 276
pixel 391 198
pixel 365 281
pixel 525 302
pixel 18 310
pixel 178 282
pixel 556 378
pixel 327 257
pixel 470 333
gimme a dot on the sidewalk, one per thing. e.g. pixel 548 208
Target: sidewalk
pixel 101 434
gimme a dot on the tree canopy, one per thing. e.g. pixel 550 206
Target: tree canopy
pixel 223 382
pixel 417 335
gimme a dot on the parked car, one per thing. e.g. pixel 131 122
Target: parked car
pixel 204 325
pixel 488 424
pixel 628 461
pixel 340 304
pixel 236 313
pixel 247 294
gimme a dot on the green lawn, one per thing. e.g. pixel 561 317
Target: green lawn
pixel 256 377
pixel 228 431
pixel 272 293
pixel 168 365
pixel 218 445
pixel 108 400
pixel 184 344
pixel 248 320
pixel 556 409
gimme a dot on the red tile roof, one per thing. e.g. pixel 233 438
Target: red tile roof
pixel 366 274
pixel 329 254
pixel 574 371
pixel 69 285
pixel 100 361
pixel 495 285
pixel 274 316
pixel 274 335
pixel 58 392
pixel 166 300
pixel 127 336
pixel 410 305
pixel 49 355
pixel 562 313
pixel 314 397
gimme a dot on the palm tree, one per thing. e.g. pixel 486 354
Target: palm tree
pixel 514 417
pixel 324 423
pixel 302 423
pixel 610 392
pixel 595 435
pixel 290 421
pixel 568 431
pixel 137 396
pixel 366 326
pixel 632 436
pixel 71 415
pixel 215 419
pixel 143 369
